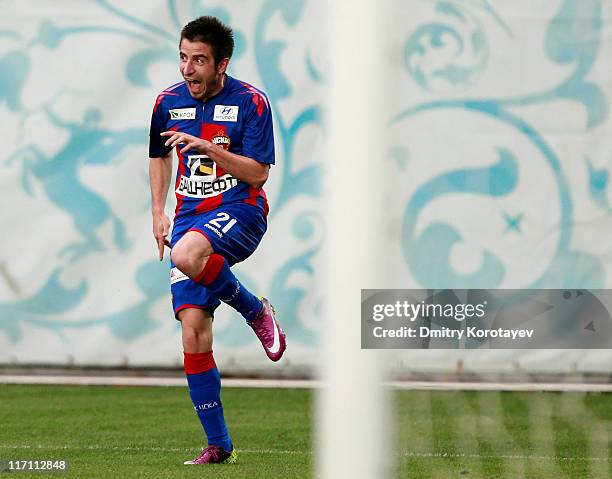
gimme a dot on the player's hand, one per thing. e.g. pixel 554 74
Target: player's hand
pixel 189 142
pixel 161 227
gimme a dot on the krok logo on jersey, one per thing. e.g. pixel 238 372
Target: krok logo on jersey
pixel 225 113
pixel 183 114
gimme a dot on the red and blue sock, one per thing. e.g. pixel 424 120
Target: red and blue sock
pixel 218 278
pixel 205 391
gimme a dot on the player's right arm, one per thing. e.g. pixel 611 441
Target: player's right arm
pixel 160 175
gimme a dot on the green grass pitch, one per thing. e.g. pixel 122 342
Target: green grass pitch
pixel 123 432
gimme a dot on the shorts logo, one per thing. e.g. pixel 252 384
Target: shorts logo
pixel 183 114
pixel 177 275
pixel 225 113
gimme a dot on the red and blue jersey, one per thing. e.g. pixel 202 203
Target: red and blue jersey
pixel 238 118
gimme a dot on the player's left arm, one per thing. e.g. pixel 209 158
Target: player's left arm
pixel 240 167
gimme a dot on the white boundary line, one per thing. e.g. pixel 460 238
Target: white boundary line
pixel 149 381
pixel 492 386
pixel 420 455
pixel 301 384
pixel 499 456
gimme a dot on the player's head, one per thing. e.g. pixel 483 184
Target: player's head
pixel 205 49
pixel 214 32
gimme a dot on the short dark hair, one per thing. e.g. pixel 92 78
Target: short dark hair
pixel 212 31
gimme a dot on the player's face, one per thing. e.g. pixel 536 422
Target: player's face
pixel 204 78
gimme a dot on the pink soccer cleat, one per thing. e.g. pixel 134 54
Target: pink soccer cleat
pixel 269 332
pixel 215 455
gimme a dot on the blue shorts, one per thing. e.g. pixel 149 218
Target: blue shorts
pixel 234 231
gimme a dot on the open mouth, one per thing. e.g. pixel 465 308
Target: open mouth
pixel 194 85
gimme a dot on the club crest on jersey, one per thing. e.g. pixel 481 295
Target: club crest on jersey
pixel 202 167
pixel 183 114
pixel 225 113
pixel 221 139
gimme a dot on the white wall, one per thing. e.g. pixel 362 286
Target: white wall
pixel 500 160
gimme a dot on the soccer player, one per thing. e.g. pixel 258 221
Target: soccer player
pixel 221 129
